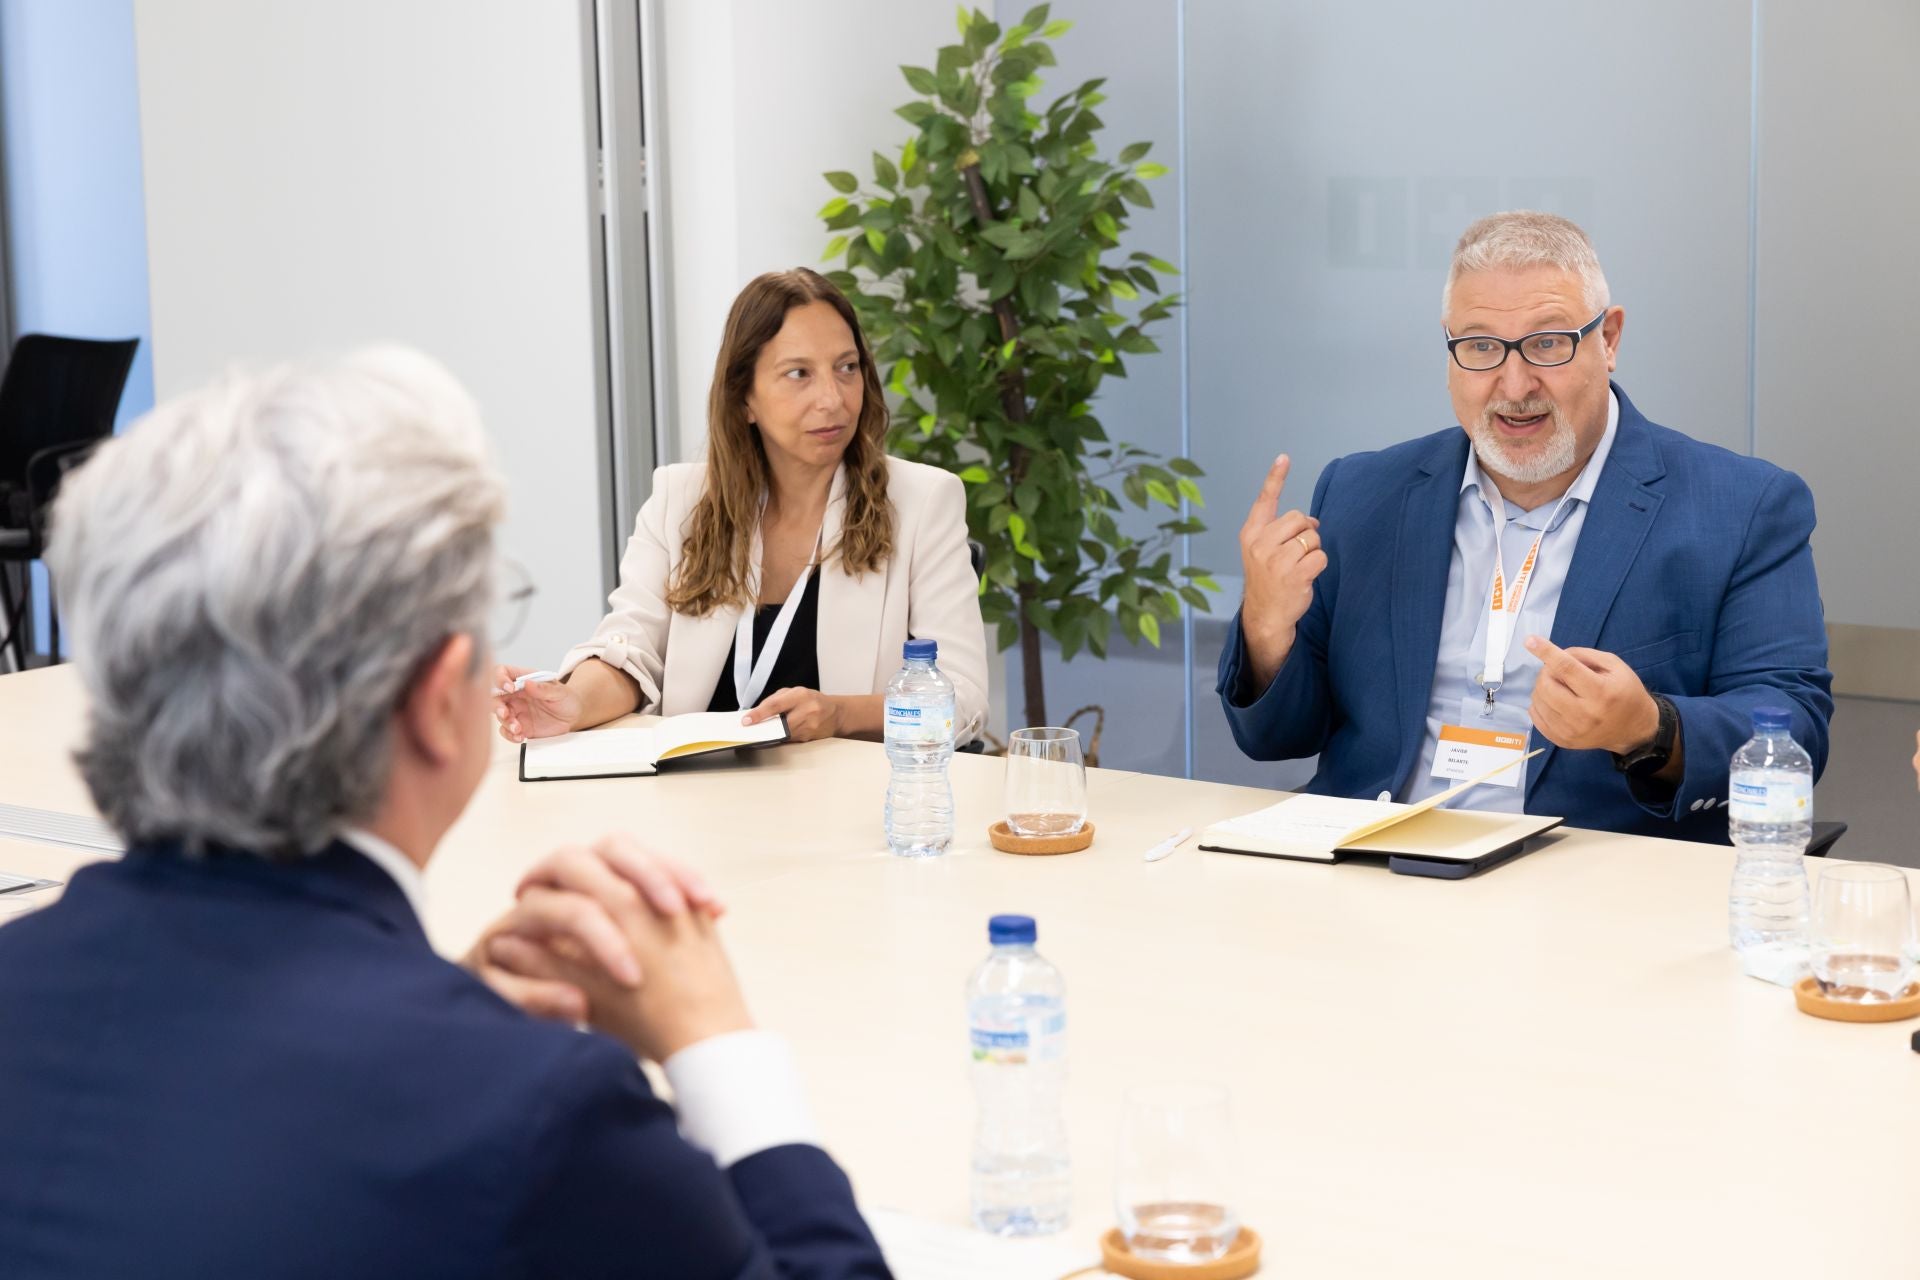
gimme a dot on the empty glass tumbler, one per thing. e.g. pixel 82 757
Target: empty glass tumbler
pixel 1863 932
pixel 1177 1165
pixel 1046 782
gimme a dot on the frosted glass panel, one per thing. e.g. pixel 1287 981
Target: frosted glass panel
pixel 1131 44
pixel 1839 264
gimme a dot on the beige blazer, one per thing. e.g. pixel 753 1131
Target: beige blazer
pixel 925 591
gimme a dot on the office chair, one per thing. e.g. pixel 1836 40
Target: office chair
pixel 57 401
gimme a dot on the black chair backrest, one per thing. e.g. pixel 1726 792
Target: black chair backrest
pixel 58 391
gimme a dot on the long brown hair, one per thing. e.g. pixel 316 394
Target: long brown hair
pixel 715 569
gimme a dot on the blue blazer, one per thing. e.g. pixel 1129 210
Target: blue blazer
pixel 225 1067
pixel 1693 567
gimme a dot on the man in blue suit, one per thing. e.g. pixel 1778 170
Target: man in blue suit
pixel 1561 574
pixel 233 1051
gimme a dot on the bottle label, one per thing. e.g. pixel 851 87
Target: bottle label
pixel 907 723
pixel 1771 801
pixel 1038 1039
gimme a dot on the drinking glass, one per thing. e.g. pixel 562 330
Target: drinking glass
pixel 1863 935
pixel 1046 782
pixel 1174 1189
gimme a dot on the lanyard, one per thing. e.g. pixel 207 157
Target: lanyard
pixel 1503 603
pixel 750 677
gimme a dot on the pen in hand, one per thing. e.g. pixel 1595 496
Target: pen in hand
pixel 532 677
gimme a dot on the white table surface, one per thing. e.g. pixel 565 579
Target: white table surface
pixel 1555 1069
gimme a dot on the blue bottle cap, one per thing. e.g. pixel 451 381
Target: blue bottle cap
pixel 1772 720
pixel 922 650
pixel 1011 930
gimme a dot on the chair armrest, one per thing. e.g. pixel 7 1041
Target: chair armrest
pixel 1825 836
pixel 45 469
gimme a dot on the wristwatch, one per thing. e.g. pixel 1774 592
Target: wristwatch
pixel 1652 758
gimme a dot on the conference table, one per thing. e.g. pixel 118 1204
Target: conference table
pixel 1553 1069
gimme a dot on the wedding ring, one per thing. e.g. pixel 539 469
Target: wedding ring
pixel 1301 538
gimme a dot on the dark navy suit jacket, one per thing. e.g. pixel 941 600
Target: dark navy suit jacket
pixel 1693 567
pixel 221 1067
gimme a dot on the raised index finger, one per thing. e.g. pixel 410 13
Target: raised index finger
pixel 1266 507
pixel 1560 664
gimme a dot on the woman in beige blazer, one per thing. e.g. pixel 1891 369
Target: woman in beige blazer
pixel 798 535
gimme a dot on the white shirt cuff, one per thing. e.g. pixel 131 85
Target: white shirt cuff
pixel 739 1094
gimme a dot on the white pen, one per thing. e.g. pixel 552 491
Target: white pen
pixel 1168 845
pixel 532 677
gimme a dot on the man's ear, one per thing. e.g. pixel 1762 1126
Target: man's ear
pixel 1611 329
pixel 431 709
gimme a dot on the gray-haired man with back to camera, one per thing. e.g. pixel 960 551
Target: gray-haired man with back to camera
pixel 233 1052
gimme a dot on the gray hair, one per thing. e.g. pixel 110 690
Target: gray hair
pixel 1523 238
pixel 253 575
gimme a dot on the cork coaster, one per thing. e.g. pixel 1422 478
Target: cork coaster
pixel 1007 842
pixel 1242 1258
pixel 1807 994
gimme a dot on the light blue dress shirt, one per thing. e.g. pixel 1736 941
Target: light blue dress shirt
pixel 1463 626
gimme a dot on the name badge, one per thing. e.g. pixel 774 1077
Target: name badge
pixel 1472 749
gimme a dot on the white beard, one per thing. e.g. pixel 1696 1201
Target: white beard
pixel 1534 462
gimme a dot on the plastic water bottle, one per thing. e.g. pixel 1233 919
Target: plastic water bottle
pixel 919 734
pixel 1017 1023
pixel 1770 817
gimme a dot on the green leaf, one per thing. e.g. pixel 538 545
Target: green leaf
pixel 1184 466
pixel 1160 493
pixel 976 475
pixel 1152 169
pixel 1134 152
pixel 1190 491
pixel 927 423
pixel 1158 264
pixel 914 113
pixel 1150 628
pixel 1017 532
pixel 843 181
pixel 876 240
pixel 835 247
pixel 1054 30
pixel 1036 17
pixel 1106 225
pixel 962 19
pixel 910 156
pixel 1122 289
pixel 1029 204
pixel 919 79
pixel 1006 351
pixel 884 173
pixel 833 207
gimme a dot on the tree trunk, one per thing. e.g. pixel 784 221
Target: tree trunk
pixel 1013 402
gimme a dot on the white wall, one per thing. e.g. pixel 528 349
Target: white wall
pixel 320 176
pixel 759 98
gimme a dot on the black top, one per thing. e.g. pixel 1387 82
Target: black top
pixel 797 667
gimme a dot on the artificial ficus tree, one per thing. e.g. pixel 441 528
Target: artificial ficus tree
pixel 984 262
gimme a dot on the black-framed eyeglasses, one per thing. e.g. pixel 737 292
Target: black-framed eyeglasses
pixel 512 600
pixel 1479 352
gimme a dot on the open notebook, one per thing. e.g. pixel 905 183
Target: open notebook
pixel 1322 828
pixel 643 750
